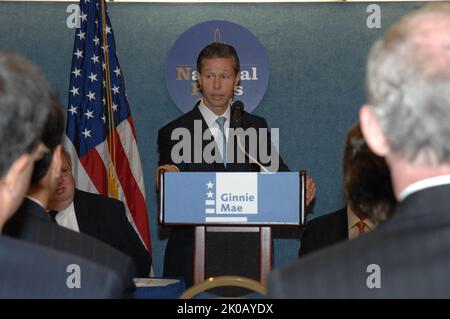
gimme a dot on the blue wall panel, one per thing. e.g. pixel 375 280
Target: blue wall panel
pixel 316 51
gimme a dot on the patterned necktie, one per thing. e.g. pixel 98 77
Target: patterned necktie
pixel 222 141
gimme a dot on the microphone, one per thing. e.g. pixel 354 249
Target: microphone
pixel 236 120
pixel 236 113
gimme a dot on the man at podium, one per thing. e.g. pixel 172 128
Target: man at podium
pixel 218 75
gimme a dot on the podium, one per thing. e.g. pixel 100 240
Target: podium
pixel 232 203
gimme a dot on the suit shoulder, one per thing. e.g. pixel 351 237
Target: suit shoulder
pixel 254 119
pixel 98 199
pixel 103 204
pixel 332 218
pixel 181 121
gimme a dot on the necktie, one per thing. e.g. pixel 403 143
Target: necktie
pixel 222 141
pixel 52 215
pixel 361 225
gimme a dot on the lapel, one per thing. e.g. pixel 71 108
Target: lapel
pixel 342 230
pixel 85 217
pixel 247 166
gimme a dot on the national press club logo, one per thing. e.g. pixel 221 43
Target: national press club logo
pixel 181 68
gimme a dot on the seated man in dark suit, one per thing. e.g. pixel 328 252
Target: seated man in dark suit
pixel 99 216
pixel 32 222
pixel 28 270
pixel 406 120
pixel 368 190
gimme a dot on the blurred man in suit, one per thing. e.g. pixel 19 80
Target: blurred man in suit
pixel 368 191
pixel 99 216
pixel 28 270
pixel 32 222
pixel 218 74
pixel 407 122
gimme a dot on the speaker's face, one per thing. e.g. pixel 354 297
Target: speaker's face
pixel 217 81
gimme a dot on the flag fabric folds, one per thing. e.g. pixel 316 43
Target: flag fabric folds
pixel 100 134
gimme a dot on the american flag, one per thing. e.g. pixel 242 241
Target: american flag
pixel 101 138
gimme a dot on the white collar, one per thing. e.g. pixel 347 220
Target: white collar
pixel 68 218
pixel 210 117
pixel 424 183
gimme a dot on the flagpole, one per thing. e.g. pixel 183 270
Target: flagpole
pixel 112 179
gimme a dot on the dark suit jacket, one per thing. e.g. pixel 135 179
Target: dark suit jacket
pixel 324 231
pixel 412 250
pixel 31 223
pixel 33 271
pixel 179 260
pixel 105 219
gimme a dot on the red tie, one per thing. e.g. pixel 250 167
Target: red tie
pixel 361 227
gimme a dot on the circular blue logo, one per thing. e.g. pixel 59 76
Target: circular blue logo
pixel 181 68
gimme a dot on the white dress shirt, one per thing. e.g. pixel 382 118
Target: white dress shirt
pixel 210 119
pixel 424 183
pixel 68 219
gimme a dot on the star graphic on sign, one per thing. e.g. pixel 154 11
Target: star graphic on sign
pixel 103 66
pixel 210 194
pixel 93 77
pixel 115 89
pixel 96 21
pixel 210 184
pixel 91 95
pixel 114 107
pixel 73 109
pixel 79 54
pixel 77 72
pixel 104 101
pixel 89 114
pixel 105 49
pixel 81 34
pixel 96 40
pixel 86 133
pixel 108 29
pixel 74 91
pixel 117 71
pixel 95 58
pixel 83 16
pixel 103 118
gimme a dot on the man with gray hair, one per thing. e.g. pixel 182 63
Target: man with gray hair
pixel 407 121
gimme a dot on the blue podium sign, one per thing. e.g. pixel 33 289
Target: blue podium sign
pixel 231 198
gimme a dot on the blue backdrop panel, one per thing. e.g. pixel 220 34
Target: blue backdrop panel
pixel 316 51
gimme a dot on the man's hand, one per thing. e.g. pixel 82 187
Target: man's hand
pixel 310 190
pixel 167 168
